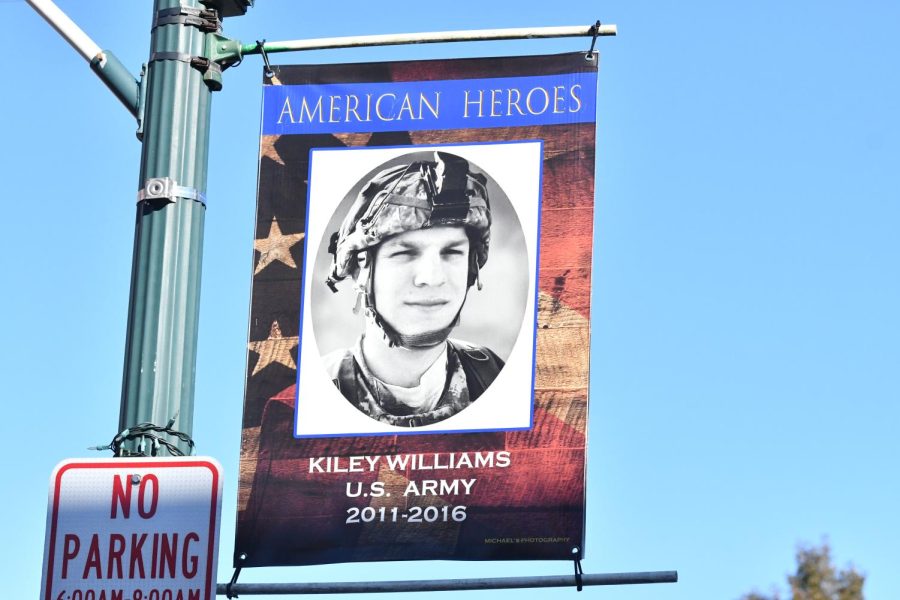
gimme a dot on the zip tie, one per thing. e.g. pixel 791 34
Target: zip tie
pixel 262 50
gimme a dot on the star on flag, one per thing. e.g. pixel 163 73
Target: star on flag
pixel 274 349
pixel 276 246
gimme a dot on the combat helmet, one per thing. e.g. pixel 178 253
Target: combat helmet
pixel 419 194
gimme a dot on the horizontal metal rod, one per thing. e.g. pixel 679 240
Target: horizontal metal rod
pixel 104 63
pixel 446 585
pixel 473 35
pixel 67 28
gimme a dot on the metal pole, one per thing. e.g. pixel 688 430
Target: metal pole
pixel 445 585
pixel 471 35
pixel 103 62
pixel 67 28
pixel 161 340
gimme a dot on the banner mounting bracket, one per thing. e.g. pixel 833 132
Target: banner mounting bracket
pixel 261 47
pixel 579 572
pixel 229 587
pixel 594 31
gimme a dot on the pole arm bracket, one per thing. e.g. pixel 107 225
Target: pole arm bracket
pixel 220 53
pixel 223 51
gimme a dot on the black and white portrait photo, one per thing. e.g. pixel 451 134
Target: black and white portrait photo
pixel 419 290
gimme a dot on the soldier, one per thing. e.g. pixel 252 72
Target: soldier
pixel 414 242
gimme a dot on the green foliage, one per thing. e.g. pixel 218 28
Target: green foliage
pixel 817 578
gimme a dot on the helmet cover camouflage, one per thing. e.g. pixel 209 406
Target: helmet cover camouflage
pixel 416 195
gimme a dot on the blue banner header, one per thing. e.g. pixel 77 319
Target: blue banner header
pixel 418 105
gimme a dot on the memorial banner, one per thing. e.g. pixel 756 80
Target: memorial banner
pixel 417 372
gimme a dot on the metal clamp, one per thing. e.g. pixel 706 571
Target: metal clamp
pixel 211 70
pixel 201 63
pixel 165 188
pixel 206 20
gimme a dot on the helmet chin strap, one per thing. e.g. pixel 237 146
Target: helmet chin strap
pixel 428 339
pixel 425 340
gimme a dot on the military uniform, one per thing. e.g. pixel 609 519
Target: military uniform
pixel 468 370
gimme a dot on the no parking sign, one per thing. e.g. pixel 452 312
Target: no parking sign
pixel 132 529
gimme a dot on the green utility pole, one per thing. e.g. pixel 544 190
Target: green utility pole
pixel 161 344
pixel 172 105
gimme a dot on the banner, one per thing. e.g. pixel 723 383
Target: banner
pixel 419 336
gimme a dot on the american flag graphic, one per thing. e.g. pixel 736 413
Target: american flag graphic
pixel 291 513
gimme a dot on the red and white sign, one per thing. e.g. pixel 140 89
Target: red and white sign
pixel 133 529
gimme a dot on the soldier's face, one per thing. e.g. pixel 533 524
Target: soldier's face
pixel 420 278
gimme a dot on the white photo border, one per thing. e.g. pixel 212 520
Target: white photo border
pixel 508 403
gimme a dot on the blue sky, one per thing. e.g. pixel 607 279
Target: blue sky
pixel 745 333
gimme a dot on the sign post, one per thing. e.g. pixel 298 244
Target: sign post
pixel 136 529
